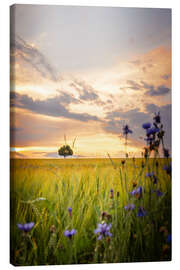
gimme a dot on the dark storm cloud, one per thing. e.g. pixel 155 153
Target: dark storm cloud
pixel 32 56
pixel 50 106
pixel 135 118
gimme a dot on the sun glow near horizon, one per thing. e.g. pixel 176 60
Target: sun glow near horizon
pixel 89 90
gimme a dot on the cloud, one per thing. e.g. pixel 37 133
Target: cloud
pixel 158 91
pixel 51 106
pixel 32 56
pixel 86 92
pixel 135 118
pixel 166 76
pixel 135 62
pixel 133 85
pixel 161 91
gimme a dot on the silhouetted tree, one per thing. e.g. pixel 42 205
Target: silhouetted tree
pixel 65 151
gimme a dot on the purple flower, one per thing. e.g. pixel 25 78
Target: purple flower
pixel 146 125
pixel 154 179
pixel 169 238
pixel 126 130
pixel 112 193
pixel 150 174
pixel 141 212
pixel 168 169
pixel 70 211
pixel 130 207
pixel 137 192
pixel 26 227
pixel 69 234
pixel 159 193
pixel 103 230
pixel 152 131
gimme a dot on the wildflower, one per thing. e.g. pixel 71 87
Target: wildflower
pixel 159 193
pixel 103 230
pixel 70 234
pixel 152 131
pixel 112 193
pixel 141 212
pixel 154 179
pixel 70 211
pixel 168 169
pixel 157 118
pixel 137 192
pixel 169 238
pixel 166 153
pixel 130 207
pixel 146 125
pixel 26 227
pixel 126 130
pixel 150 174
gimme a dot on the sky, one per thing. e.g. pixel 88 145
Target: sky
pixel 85 72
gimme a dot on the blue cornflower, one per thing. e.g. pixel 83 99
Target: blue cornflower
pixel 130 207
pixel 168 169
pixel 152 131
pixel 146 125
pixel 112 193
pixel 141 212
pixel 137 192
pixel 103 230
pixel 69 234
pixel 150 174
pixel 126 130
pixel 26 227
pixel 159 193
pixel 169 238
pixel 70 211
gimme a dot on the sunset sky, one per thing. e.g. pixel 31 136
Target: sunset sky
pixel 84 72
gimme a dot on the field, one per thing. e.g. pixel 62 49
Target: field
pixel 66 194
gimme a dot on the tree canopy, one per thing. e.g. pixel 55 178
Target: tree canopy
pixel 65 151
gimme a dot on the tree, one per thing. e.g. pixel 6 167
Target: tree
pixel 65 150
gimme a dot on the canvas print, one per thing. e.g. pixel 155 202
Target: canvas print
pixel 90 126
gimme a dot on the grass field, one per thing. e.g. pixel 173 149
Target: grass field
pixel 97 190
